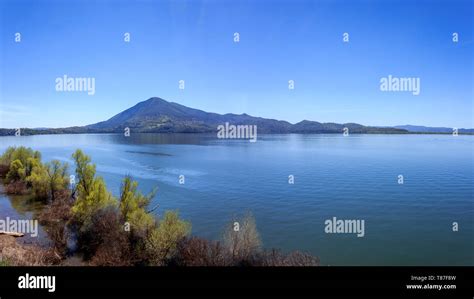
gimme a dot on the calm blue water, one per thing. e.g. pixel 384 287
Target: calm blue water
pixel 351 177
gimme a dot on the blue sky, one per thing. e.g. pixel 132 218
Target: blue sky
pixel 279 41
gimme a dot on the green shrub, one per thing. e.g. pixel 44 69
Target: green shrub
pixel 133 207
pixel 163 240
pixel 4 263
pixel 21 161
pixel 92 194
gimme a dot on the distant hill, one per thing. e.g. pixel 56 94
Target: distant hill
pixel 156 115
pixel 423 129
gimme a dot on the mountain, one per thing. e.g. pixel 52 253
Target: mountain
pixel 423 129
pixel 156 115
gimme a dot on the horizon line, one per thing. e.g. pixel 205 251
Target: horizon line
pixel 223 114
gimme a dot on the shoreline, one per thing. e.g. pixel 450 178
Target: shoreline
pixel 82 217
pixel 39 133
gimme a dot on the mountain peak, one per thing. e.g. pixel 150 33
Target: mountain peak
pixel 159 115
pixel 155 99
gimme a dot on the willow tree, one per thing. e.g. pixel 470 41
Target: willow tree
pixel 134 207
pixel 20 161
pixel 47 179
pixel 91 193
pixel 163 240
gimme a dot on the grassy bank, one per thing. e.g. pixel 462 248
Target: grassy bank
pixel 83 218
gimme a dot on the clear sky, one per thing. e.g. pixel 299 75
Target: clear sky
pixel 279 41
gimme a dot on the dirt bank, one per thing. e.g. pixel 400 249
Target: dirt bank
pixel 12 253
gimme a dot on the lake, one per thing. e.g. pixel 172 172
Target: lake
pixel 353 177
